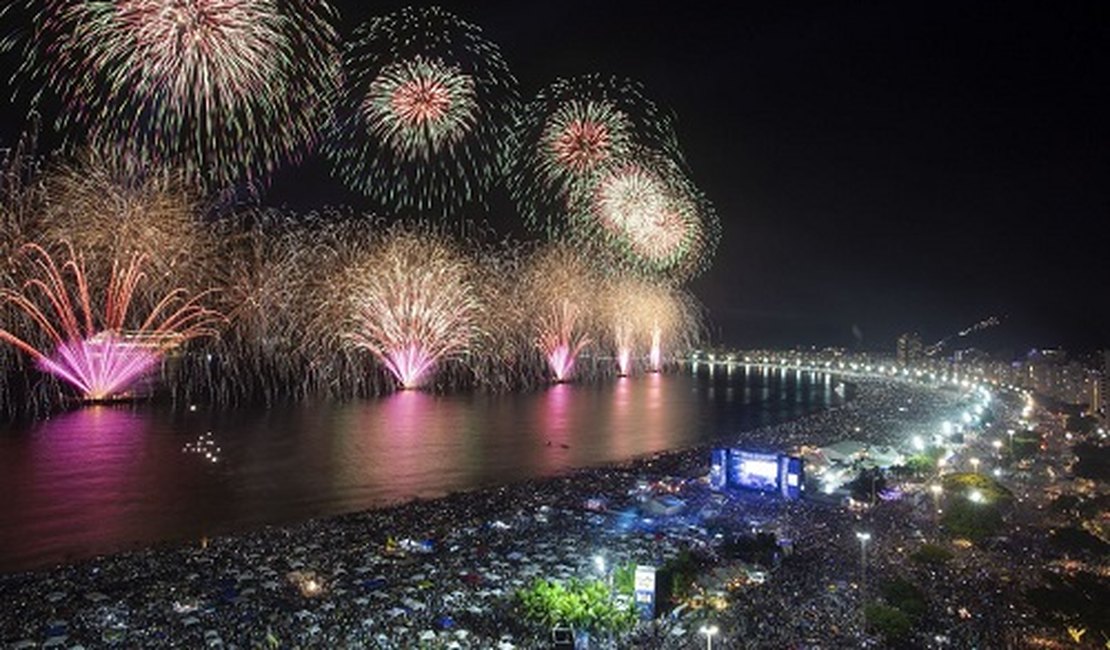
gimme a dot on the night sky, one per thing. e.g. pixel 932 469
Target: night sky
pixel 877 167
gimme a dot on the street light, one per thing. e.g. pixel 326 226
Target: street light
pixel 863 538
pixel 975 496
pixel 709 631
pixel 975 464
pixel 936 489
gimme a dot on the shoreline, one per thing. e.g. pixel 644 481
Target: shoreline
pixel 161 589
pixel 72 553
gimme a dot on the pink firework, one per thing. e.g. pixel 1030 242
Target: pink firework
pixel 413 304
pixel 95 353
pixel 560 294
pixel 410 364
pixel 624 336
pixel 655 355
pixel 561 340
pixel 102 367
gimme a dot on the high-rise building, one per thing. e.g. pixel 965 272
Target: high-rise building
pixel 909 348
pixel 1097 385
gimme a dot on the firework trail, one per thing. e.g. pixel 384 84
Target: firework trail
pixel 675 323
pixel 646 316
pixel 111 216
pixel 412 304
pixel 20 197
pixel 628 317
pixel 267 258
pixel 95 353
pixel 574 131
pixel 225 90
pixel 561 338
pixel 425 111
pixel 560 287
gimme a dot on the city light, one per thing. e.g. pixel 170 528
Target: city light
pixel 454 323
pixel 709 631
pixel 863 538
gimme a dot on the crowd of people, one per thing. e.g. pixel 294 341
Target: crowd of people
pixel 444 573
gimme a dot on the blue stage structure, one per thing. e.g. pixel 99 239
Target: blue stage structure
pixel 734 468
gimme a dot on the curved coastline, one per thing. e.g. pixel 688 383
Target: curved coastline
pixel 125 465
pixel 250 569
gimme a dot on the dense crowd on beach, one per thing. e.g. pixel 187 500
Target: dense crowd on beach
pixel 443 573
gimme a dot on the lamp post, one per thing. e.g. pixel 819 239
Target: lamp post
pixel 709 631
pixel 1010 432
pixel 599 564
pixel 975 464
pixel 863 538
pixel 936 489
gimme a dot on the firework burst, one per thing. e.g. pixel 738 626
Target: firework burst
pixel 225 90
pixel 412 304
pixel 572 132
pixel 420 108
pixel 425 111
pixel 96 352
pixel 646 216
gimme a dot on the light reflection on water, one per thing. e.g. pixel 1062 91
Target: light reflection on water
pixel 102 479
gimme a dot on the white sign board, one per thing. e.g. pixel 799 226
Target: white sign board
pixel 645 591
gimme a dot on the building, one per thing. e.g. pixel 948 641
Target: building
pixel 909 349
pixel 1097 406
pixel 1049 372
